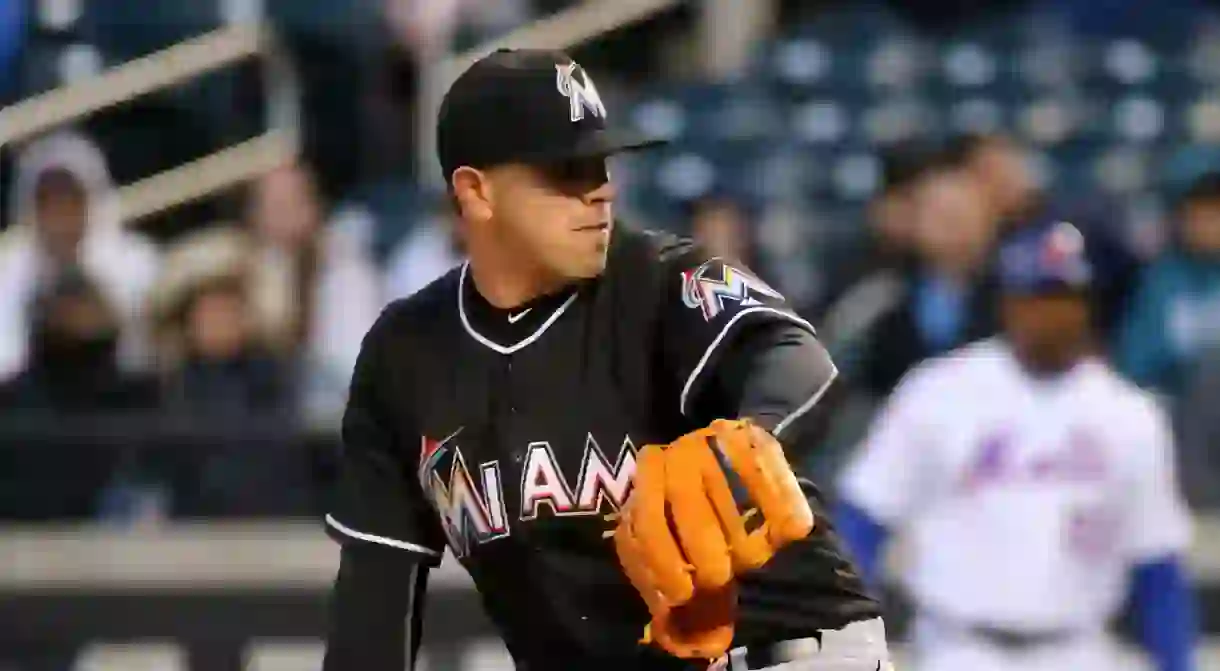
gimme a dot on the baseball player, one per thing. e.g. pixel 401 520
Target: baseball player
pixel 1035 486
pixel 594 420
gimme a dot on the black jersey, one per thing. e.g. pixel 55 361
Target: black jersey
pixel 508 436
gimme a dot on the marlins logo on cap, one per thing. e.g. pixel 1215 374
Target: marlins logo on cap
pixel 581 96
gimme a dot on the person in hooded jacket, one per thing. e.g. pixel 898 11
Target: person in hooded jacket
pixel 72 377
pixel 65 215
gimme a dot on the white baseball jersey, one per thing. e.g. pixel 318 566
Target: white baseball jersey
pixel 1024 501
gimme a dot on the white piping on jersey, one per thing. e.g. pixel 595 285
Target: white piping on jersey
pixel 409 622
pixel 807 405
pixel 380 540
pixel 502 349
pixel 724 332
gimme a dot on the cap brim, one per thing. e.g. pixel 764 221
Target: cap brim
pixel 605 142
pixel 615 141
pixel 600 143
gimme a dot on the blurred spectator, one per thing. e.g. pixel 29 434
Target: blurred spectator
pixel 869 282
pixel 424 25
pixel 316 293
pixel 66 215
pixel 12 37
pixel 72 375
pixel 225 370
pixel 889 213
pixel 1175 315
pixel 721 224
pixel 314 289
pixel 1198 431
pixel 73 362
pixel 946 296
pixel 1002 173
pixel 1001 168
pixel 428 251
pixel 226 377
pixel 864 282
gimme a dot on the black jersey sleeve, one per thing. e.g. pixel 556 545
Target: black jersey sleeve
pixel 376 610
pixel 709 302
pixel 780 376
pixel 379 499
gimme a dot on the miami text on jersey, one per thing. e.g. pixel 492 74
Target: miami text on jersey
pixel 473 514
pixel 709 285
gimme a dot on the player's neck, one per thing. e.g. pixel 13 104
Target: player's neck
pixel 506 283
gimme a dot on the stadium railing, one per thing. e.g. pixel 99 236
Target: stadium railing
pixel 165 69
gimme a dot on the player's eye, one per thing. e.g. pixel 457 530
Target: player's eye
pixel 577 176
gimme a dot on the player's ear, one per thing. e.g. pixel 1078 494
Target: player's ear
pixel 472 193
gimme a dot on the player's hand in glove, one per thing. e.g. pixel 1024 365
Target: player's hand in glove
pixel 681 537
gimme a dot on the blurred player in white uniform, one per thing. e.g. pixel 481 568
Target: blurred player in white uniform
pixel 1035 487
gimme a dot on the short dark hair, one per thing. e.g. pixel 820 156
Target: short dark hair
pixel 962 148
pixel 906 162
pixel 1206 187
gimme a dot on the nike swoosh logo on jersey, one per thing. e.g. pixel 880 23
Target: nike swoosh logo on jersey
pixel 513 319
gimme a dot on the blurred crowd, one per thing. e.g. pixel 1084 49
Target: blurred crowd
pixel 251 322
pixel 256 322
pixel 923 284
pixel 232 342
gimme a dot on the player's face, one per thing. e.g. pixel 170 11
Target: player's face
pixel 558 214
pixel 1047 331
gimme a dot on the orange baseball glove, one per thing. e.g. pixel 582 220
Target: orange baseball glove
pixel 682 537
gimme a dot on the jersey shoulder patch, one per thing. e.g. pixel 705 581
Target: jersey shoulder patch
pixel 717 284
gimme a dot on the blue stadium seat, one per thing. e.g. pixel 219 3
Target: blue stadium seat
pixel 1199 119
pixel 851 24
pixel 1051 66
pixel 820 122
pixel 802 67
pixel 898 62
pixel 894 118
pixel 1136 118
pixel 780 171
pixel 725 112
pixel 854 176
pixel 1050 120
pixel 1123 170
pixel 127 29
pixel 667 179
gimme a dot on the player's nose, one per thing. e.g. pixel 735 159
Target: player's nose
pixel 602 195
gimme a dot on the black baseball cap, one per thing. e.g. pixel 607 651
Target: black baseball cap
pixel 526 106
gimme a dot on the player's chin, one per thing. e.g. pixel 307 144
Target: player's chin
pixel 586 264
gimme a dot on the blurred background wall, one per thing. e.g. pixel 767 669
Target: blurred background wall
pixel 174 351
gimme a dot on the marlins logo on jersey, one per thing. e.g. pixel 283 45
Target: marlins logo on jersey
pixel 711 284
pixel 469 514
pixel 581 96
